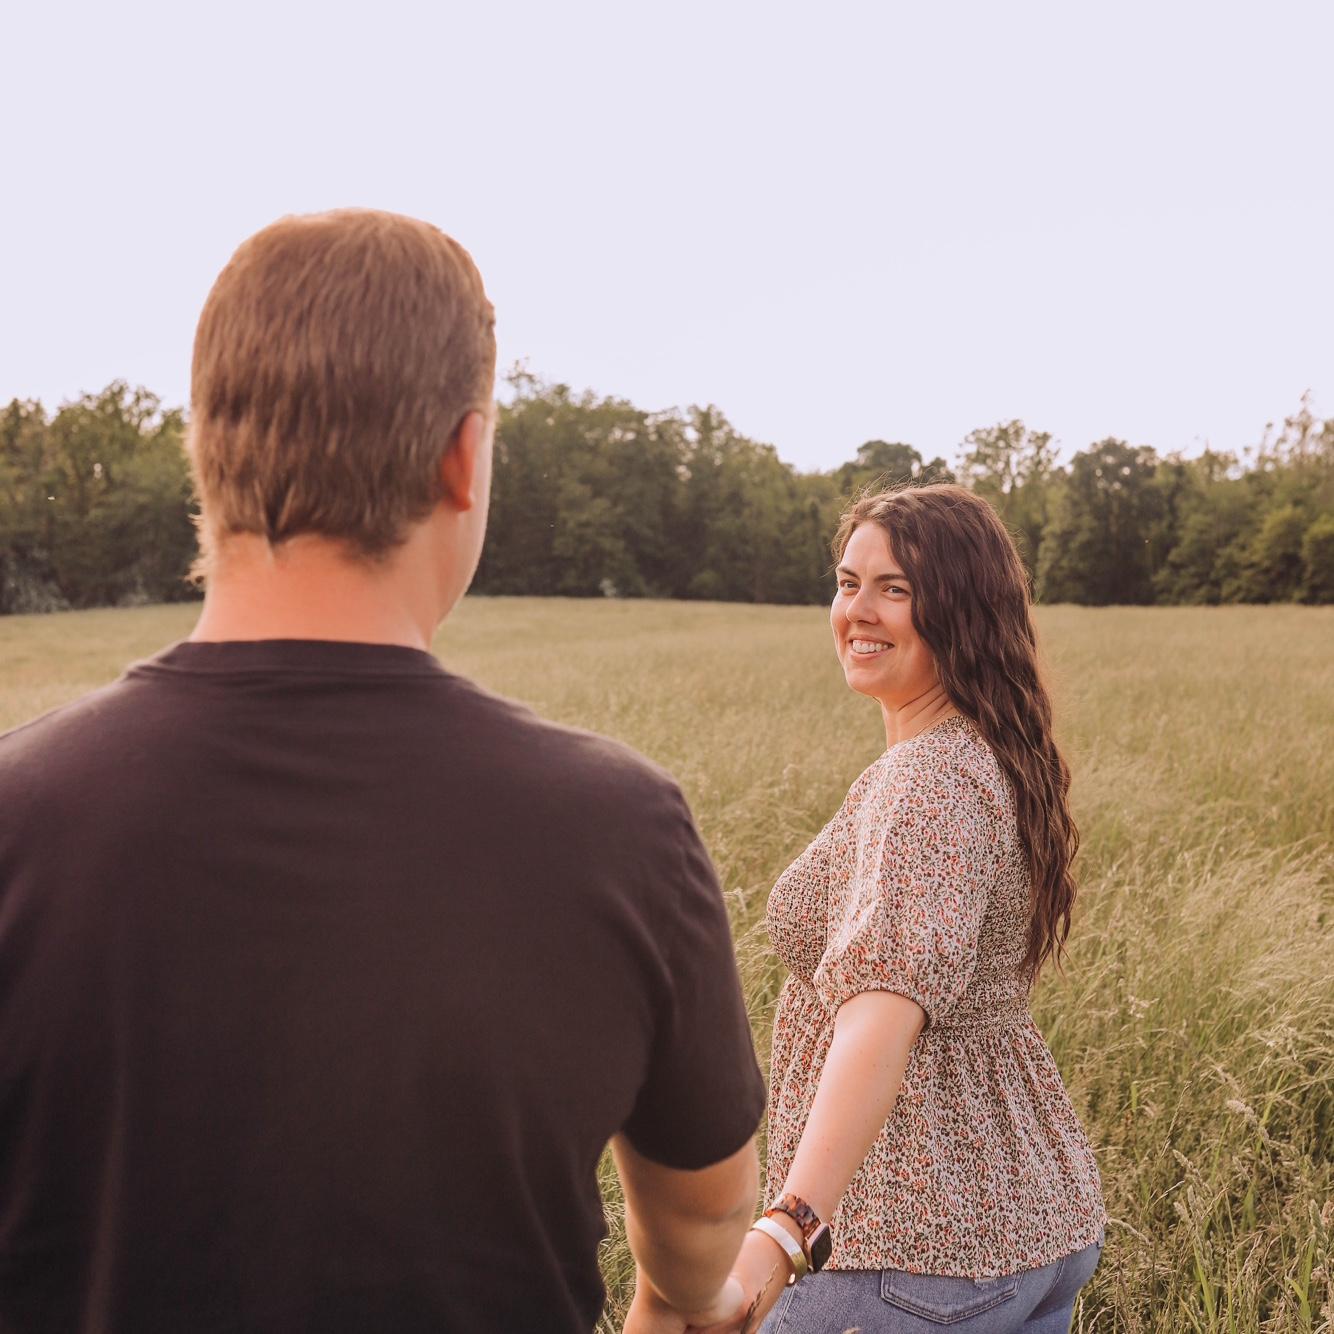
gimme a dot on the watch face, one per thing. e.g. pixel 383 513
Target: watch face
pixel 821 1244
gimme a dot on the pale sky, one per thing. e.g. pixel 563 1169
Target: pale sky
pixel 836 222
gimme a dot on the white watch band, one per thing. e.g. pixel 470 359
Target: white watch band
pixel 777 1232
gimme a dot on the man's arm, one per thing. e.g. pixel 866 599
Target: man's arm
pixel 685 1228
pixel 687 1205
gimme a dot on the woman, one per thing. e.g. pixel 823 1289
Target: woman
pixel 915 1110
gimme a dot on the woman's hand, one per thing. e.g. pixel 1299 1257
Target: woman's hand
pixel 760 1272
pixel 650 1314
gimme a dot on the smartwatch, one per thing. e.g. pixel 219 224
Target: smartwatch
pixel 816 1239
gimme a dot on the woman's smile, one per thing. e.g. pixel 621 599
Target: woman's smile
pixel 869 648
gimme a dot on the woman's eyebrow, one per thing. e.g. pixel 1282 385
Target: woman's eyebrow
pixel 893 575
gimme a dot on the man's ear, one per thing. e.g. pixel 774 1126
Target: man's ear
pixel 458 468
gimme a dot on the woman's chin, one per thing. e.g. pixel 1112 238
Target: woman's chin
pixel 862 681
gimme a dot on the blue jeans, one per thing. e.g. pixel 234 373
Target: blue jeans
pixel 888 1301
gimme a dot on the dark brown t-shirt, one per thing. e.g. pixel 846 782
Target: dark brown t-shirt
pixel 325 977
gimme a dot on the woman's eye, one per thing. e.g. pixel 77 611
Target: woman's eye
pixel 845 583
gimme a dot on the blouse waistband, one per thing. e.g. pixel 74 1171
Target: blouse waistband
pixel 1004 1014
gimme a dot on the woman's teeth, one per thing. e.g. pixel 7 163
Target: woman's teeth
pixel 867 646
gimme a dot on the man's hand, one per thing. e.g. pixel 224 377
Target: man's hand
pixel 650 1314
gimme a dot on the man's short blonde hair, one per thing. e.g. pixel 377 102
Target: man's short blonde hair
pixel 335 358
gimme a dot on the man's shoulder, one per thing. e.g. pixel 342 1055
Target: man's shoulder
pixel 575 758
pixel 57 727
pixel 49 752
pixel 152 723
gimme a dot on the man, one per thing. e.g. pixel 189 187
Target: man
pixel 326 976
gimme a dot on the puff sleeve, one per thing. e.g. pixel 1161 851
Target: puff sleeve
pixel 908 918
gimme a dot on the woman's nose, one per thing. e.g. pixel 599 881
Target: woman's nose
pixel 861 608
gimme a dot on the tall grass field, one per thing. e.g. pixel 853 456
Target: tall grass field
pixel 1194 1022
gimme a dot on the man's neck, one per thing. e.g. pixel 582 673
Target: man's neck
pixel 309 589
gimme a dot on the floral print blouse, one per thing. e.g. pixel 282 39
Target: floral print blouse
pixel 919 886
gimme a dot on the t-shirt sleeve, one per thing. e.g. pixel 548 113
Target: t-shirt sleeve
pixel 911 918
pixel 703 1094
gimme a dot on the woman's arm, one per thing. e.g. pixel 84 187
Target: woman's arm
pixel 873 1036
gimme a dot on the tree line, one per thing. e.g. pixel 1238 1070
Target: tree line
pixel 593 496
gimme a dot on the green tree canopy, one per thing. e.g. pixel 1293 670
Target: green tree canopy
pixel 94 504
pixel 1012 467
pixel 1105 513
pixel 596 497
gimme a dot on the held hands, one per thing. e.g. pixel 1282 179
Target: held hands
pixel 651 1314
pixel 761 1271
pixel 749 1294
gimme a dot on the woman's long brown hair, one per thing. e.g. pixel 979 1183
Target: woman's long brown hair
pixel 971 606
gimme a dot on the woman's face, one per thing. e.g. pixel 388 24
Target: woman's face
pixel 882 655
